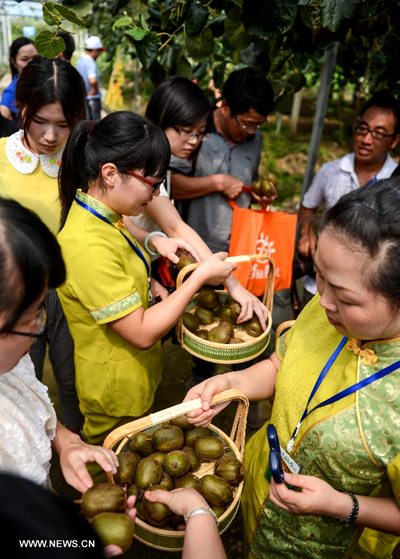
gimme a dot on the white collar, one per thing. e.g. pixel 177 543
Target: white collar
pixel 25 161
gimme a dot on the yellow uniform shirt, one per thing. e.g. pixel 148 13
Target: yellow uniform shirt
pixel 106 280
pixel 37 191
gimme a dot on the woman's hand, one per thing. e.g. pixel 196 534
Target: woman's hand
pixel 206 390
pixel 265 201
pixel 181 501
pixel 74 454
pixel 316 497
pixel 158 291
pixel 249 302
pixel 214 270
pixel 173 248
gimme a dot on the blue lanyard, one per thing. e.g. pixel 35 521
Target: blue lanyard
pixel 133 247
pixel 343 393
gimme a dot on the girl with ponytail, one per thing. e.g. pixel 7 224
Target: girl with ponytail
pixel 111 169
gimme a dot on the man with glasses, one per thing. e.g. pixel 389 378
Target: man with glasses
pixel 228 159
pixel 376 133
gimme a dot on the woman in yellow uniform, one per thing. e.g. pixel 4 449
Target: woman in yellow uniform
pixel 335 377
pixel 51 100
pixel 110 169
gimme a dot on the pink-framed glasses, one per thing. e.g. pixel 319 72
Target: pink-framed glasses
pixel 154 185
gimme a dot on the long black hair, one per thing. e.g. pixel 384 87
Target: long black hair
pixel 123 138
pixel 30 260
pixel 369 219
pixel 177 101
pixel 49 80
pixel 14 48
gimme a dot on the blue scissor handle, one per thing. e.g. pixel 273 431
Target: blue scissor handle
pixel 276 466
pixel 273 439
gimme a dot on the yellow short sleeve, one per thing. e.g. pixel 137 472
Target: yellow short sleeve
pixel 393 472
pixel 283 335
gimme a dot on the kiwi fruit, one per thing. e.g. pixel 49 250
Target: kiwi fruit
pixel 184 261
pixel 168 438
pixel 114 528
pixel 194 461
pixel 181 421
pixel 208 299
pixel 205 316
pixel 166 481
pixel 219 335
pixel 230 468
pixel 203 334
pixel 208 449
pixel 236 341
pixel 191 435
pixel 225 314
pixel 159 456
pixel 253 327
pixel 103 497
pixel 148 473
pixel 156 513
pixel 188 480
pixel 128 462
pixel 177 463
pixel 190 321
pixel 141 444
pixel 215 490
pixel 236 309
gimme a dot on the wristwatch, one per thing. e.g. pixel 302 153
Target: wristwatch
pixel 354 513
pixel 202 510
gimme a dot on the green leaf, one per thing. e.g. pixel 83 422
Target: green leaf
pixel 218 75
pixel 117 6
pixel 47 44
pixel 69 14
pixel 139 7
pixel 147 50
pixel 165 17
pixel 268 19
pixel 201 46
pixel 235 30
pixel 137 33
pixel 122 22
pixel 50 15
pixel 168 4
pixel 217 26
pixel 81 8
pixel 333 12
pixel 196 19
pixel 142 20
pixel 157 73
pixel 183 67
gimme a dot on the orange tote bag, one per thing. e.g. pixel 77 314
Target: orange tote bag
pixel 263 232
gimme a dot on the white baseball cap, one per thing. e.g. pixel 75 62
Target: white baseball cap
pixel 94 42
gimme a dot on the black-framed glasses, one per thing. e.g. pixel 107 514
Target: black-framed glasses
pixel 41 322
pixel 188 134
pixel 363 130
pixel 248 126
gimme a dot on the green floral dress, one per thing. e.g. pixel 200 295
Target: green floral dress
pixel 353 444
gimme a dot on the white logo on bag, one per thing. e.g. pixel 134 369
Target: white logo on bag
pixel 265 247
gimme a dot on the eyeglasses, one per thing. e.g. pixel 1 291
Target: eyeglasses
pixel 363 129
pixel 248 126
pixel 154 185
pixel 188 134
pixel 41 322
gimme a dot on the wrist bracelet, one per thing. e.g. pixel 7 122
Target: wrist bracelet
pixel 149 236
pixel 201 510
pixel 354 512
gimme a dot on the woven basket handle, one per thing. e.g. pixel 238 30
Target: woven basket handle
pixel 268 296
pixel 238 429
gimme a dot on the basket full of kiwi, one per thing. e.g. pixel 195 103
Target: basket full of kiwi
pixel 208 328
pixel 164 451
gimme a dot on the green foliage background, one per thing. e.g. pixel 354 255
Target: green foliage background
pixel 204 39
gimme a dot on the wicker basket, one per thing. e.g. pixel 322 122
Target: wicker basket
pixel 227 353
pixel 168 540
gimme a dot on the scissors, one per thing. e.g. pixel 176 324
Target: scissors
pixel 275 460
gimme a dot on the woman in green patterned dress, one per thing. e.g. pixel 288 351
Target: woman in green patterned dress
pixel 338 369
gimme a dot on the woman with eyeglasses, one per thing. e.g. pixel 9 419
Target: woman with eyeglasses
pixel 183 112
pixel 51 100
pixel 30 263
pixel 111 169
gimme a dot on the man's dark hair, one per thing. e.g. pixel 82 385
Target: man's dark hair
pixel 69 44
pixel 384 101
pixel 248 89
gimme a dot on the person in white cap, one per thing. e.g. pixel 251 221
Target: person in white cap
pixel 87 68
